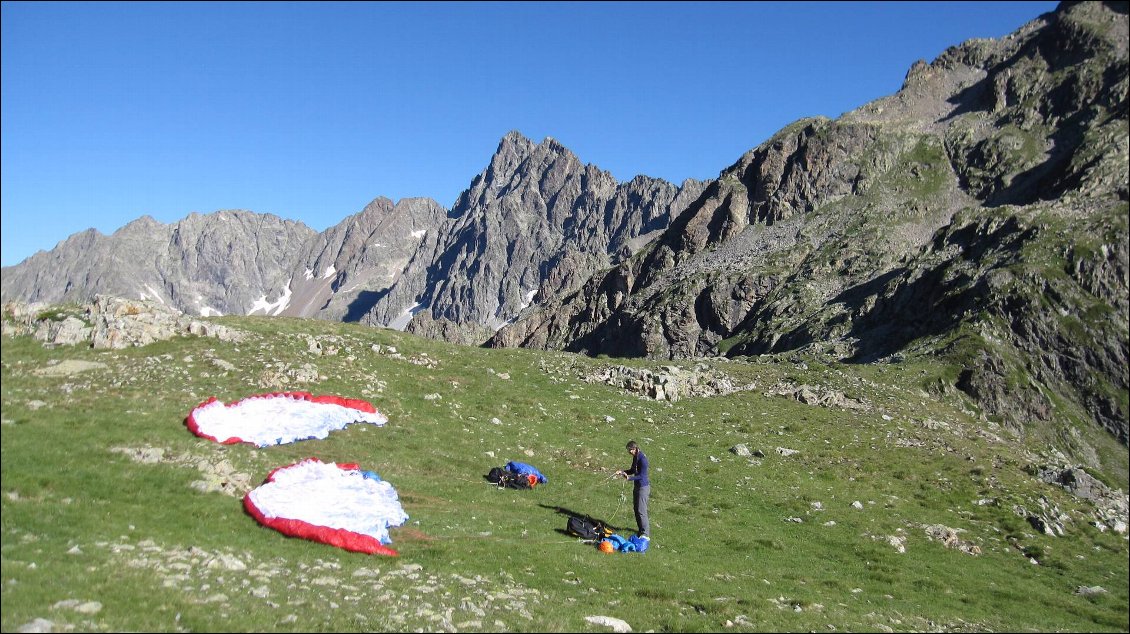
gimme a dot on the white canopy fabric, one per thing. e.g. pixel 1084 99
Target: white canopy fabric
pixel 336 504
pixel 279 418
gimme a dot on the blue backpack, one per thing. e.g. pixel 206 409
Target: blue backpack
pixel 621 544
pixel 525 469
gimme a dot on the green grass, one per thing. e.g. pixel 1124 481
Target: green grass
pixel 83 522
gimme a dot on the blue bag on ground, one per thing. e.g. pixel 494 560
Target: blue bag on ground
pixel 621 544
pixel 641 542
pixel 525 469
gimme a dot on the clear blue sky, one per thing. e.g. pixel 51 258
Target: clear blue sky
pixel 309 111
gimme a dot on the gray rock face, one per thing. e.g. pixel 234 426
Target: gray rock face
pixel 370 267
pixel 536 224
pixel 216 263
pixel 979 213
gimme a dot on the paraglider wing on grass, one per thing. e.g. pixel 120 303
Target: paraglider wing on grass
pixel 278 418
pixel 335 504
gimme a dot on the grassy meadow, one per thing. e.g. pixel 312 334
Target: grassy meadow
pixel 110 523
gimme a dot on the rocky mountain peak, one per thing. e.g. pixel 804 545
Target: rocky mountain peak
pixel 142 224
pixel 512 150
pixel 378 205
pixel 534 224
pixel 519 162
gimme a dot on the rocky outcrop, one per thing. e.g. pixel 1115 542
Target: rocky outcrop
pixel 469 334
pixel 950 538
pixel 109 323
pixel 1112 508
pixel 667 383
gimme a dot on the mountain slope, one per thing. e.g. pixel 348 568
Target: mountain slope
pixel 980 213
pixel 360 266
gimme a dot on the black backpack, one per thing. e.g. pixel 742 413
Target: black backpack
pixel 512 480
pixel 586 528
pixel 496 474
pixel 507 479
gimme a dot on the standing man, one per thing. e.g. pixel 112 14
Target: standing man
pixel 642 489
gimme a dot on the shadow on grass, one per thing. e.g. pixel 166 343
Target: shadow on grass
pixel 571 513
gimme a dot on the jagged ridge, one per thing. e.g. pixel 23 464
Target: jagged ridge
pixel 980 213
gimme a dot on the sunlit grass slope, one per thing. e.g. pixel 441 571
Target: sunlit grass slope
pixel 96 538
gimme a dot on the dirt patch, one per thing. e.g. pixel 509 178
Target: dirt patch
pixel 411 535
pixel 69 367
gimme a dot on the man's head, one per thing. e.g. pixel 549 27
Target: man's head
pixel 632 447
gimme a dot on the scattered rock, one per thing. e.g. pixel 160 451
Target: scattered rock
pixel 668 383
pixel 815 395
pixel 144 455
pixel 282 375
pixel 616 624
pixel 82 607
pixel 950 539
pixel 899 542
pixel 37 625
pixel 219 475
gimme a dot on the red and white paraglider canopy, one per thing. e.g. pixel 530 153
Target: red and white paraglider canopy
pixel 335 504
pixel 278 418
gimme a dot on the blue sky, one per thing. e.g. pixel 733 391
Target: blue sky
pixel 309 111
